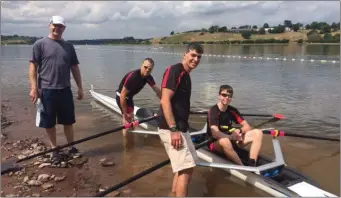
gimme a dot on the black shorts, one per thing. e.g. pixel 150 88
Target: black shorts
pixel 130 104
pixel 58 103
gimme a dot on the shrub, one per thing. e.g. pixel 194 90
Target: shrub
pixel 313 36
pixel 246 34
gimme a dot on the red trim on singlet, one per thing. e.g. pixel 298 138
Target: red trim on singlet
pixel 179 79
pixel 165 79
pixel 125 82
pixel 239 119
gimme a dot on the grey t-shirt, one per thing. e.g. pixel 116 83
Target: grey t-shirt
pixel 54 59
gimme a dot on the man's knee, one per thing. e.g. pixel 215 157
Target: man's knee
pixel 188 171
pixel 185 175
pixel 68 128
pixel 225 143
pixel 258 133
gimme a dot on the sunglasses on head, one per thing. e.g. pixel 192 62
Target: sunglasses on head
pixel 226 95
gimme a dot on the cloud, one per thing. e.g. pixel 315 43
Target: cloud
pixel 116 19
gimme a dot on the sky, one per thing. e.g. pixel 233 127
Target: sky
pixel 147 19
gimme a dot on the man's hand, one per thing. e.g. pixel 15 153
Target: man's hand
pixel 127 118
pixel 176 140
pixel 236 135
pixel 34 94
pixel 80 94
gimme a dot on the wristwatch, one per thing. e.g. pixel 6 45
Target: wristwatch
pixel 173 129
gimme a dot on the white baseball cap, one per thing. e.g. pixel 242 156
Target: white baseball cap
pixel 57 20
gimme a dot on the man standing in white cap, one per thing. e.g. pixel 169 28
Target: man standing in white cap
pixel 51 63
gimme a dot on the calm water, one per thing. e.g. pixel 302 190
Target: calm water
pixel 307 93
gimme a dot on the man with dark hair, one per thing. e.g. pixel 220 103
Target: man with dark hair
pixel 131 84
pixel 219 122
pixel 173 120
pixel 51 62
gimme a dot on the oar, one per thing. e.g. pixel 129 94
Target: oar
pixel 277 133
pixel 145 172
pixel 9 166
pixel 164 163
pixel 243 114
pixel 148 112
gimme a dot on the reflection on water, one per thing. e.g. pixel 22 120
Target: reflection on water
pixel 307 93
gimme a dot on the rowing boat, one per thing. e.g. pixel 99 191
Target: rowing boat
pixel 271 176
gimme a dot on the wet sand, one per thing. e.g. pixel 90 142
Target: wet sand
pixel 318 159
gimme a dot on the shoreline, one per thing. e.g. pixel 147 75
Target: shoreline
pixel 36 179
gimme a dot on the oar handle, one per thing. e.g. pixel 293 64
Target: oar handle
pixel 127 126
pixel 277 133
pixel 145 172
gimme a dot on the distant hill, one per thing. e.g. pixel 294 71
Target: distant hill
pixel 237 38
pixel 317 32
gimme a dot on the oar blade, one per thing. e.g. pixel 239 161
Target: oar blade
pixel 145 113
pixel 279 116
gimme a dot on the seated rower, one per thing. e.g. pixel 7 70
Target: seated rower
pixel 219 122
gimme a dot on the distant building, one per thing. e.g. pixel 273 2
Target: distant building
pixel 287 29
pixel 267 29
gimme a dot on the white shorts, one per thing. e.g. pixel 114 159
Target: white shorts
pixel 183 158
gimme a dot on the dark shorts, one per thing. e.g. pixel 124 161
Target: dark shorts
pixel 58 106
pixel 130 104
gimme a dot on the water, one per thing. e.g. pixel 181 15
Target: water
pixel 306 92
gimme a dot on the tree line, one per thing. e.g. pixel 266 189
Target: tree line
pixel 323 27
pixel 15 39
pixel 125 40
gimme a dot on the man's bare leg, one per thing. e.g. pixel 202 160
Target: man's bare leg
pixel 224 145
pixel 69 133
pixel 128 138
pixel 173 193
pixel 51 132
pixel 256 137
pixel 182 182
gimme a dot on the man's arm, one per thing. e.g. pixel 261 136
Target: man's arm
pixel 75 69
pixel 34 93
pixel 123 100
pixel 216 133
pixel 33 75
pixel 77 76
pixel 166 97
pixel 157 90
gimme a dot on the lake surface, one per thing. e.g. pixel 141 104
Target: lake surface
pixel 306 90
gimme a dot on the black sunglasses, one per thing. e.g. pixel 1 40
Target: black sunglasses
pixel 147 68
pixel 226 95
